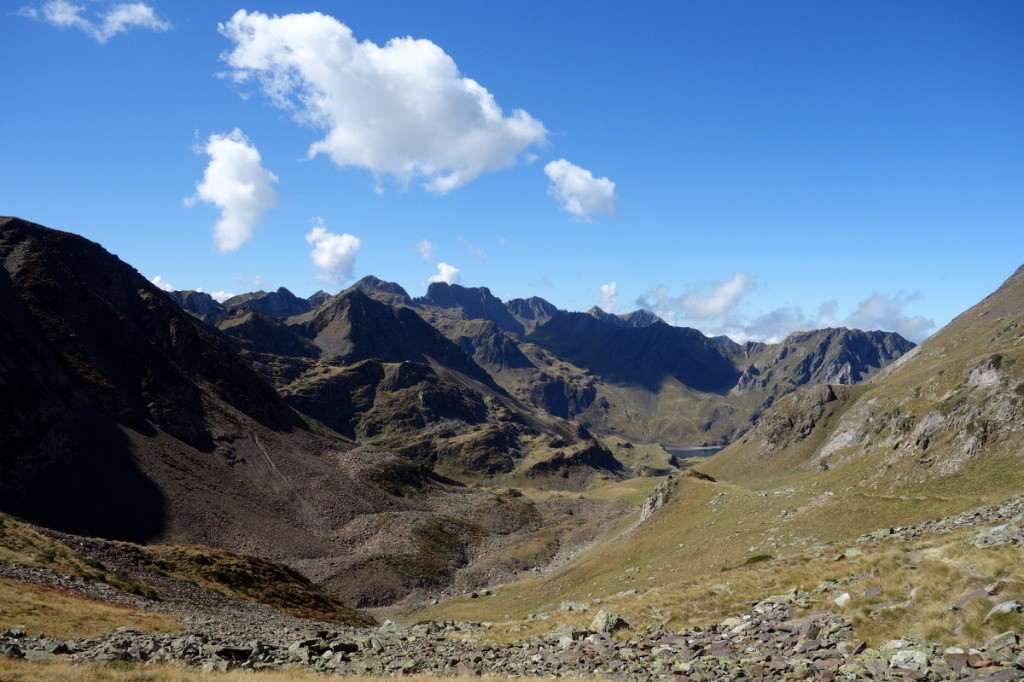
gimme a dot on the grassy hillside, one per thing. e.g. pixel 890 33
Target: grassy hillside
pixel 940 434
pixel 139 571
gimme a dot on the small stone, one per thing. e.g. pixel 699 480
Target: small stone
pixel 912 659
pixel 1011 606
pixel 574 606
pixel 842 600
pixel 1003 641
pixel 39 656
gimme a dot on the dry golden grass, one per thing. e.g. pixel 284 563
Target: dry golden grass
pixel 20 671
pixel 689 564
pixel 230 574
pixel 60 614
pixel 19 544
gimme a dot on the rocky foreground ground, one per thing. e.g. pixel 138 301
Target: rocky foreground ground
pixel 769 642
pixel 781 637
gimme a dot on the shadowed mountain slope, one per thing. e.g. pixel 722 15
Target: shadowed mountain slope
pixel 643 356
pixel 199 303
pixel 280 303
pixel 125 417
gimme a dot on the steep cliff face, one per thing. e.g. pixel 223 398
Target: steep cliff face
pixel 825 356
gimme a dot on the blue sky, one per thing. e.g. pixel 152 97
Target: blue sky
pixel 743 168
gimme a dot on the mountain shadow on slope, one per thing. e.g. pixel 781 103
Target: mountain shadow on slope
pixel 199 303
pixel 638 356
pixel 89 346
pixel 281 303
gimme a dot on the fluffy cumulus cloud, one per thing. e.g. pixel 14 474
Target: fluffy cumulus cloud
pixel 402 110
pixel 102 26
pixel 578 191
pixel 717 309
pixel 161 283
pixel 235 182
pixel 608 299
pixel 449 274
pixel 425 249
pixel 335 254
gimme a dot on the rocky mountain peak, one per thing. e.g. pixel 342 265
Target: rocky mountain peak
pixel 318 299
pixel 280 303
pixel 385 292
pixel 470 304
pixel 199 303
pixel 531 312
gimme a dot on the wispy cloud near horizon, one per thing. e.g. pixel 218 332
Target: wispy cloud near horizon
pixel 716 308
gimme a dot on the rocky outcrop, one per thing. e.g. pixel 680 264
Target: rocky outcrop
pixel 531 312
pixel 281 303
pixel 470 304
pixel 590 455
pixel 199 303
pixel 385 292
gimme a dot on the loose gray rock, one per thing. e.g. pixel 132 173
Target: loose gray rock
pixel 607 621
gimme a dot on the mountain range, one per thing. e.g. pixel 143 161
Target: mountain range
pixel 371 439
pixel 632 375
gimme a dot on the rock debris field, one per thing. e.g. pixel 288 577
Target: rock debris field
pixel 769 643
pixel 781 637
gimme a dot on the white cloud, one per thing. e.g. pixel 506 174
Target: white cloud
pixel 608 300
pixel 161 283
pixel 717 299
pixel 716 310
pixel 701 302
pixel 221 296
pixel 425 249
pixel 477 253
pixel 333 253
pixel 117 19
pixel 446 273
pixel 236 183
pixel 882 312
pixel 578 191
pixel 402 110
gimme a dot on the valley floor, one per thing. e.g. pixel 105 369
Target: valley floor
pixel 842 627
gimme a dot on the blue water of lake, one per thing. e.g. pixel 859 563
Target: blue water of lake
pixel 684 453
